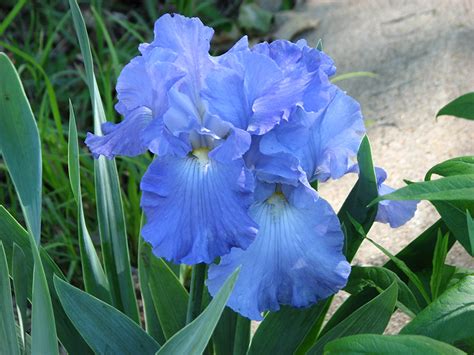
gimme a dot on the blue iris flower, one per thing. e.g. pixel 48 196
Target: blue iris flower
pixel 238 139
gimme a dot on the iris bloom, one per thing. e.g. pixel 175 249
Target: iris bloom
pixel 238 138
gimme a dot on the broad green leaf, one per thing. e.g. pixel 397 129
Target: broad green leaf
pixel 455 166
pixel 470 228
pixel 378 311
pixel 223 337
pixel 109 201
pixel 194 306
pixel 439 257
pixel 20 144
pixel 95 281
pixel 450 188
pixel 450 318
pixel 145 258
pixel 169 297
pixel 349 306
pixel 105 329
pixel 8 337
pixel 462 107
pixel 453 214
pixel 20 286
pixel 363 192
pixel 274 335
pixel 193 338
pixel 389 345
pixel 43 325
pixel 380 278
pixel 12 233
pixel 242 336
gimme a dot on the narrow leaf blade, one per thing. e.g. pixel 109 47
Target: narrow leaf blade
pixel 193 338
pixel 8 337
pixel 379 310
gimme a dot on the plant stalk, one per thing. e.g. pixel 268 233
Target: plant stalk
pixel 195 295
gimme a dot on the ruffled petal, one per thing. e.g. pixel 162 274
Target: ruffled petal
pixel 197 207
pixel 335 138
pixel 125 138
pixel 296 258
pixel 190 40
pixel 237 93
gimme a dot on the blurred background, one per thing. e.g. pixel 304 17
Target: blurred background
pixel 402 60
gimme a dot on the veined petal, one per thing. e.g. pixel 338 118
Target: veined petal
pixel 125 138
pixel 296 258
pixel 197 207
pixel 334 139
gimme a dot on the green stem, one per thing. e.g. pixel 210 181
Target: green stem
pixel 242 336
pixel 195 295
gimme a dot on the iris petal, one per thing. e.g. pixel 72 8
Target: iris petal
pixel 124 138
pixel 394 213
pixel 296 258
pixel 335 138
pixel 196 207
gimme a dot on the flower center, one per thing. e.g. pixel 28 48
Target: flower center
pixel 202 154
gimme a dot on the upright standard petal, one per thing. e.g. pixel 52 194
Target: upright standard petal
pixel 142 100
pixel 334 139
pixel 394 213
pixel 296 258
pixel 197 207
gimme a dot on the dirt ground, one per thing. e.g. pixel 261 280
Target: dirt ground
pixel 423 55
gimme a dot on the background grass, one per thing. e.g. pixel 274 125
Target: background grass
pixel 39 38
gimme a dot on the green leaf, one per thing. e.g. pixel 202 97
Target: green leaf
pixel 145 258
pixel 20 286
pixel 451 188
pixel 105 329
pixel 378 311
pixel 23 161
pixel 455 166
pixel 450 317
pixel 462 107
pixel 12 233
pixel 439 257
pixel 402 266
pixel 223 337
pixel 193 338
pixel 418 255
pixel 95 281
pixel 274 335
pixel 381 278
pixel 109 201
pixel 43 326
pixel 363 192
pixel 8 337
pixel 169 297
pixel 242 336
pixel 453 214
pixel 389 345
pixel 253 17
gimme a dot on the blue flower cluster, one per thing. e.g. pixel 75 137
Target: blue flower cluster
pixel 238 139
